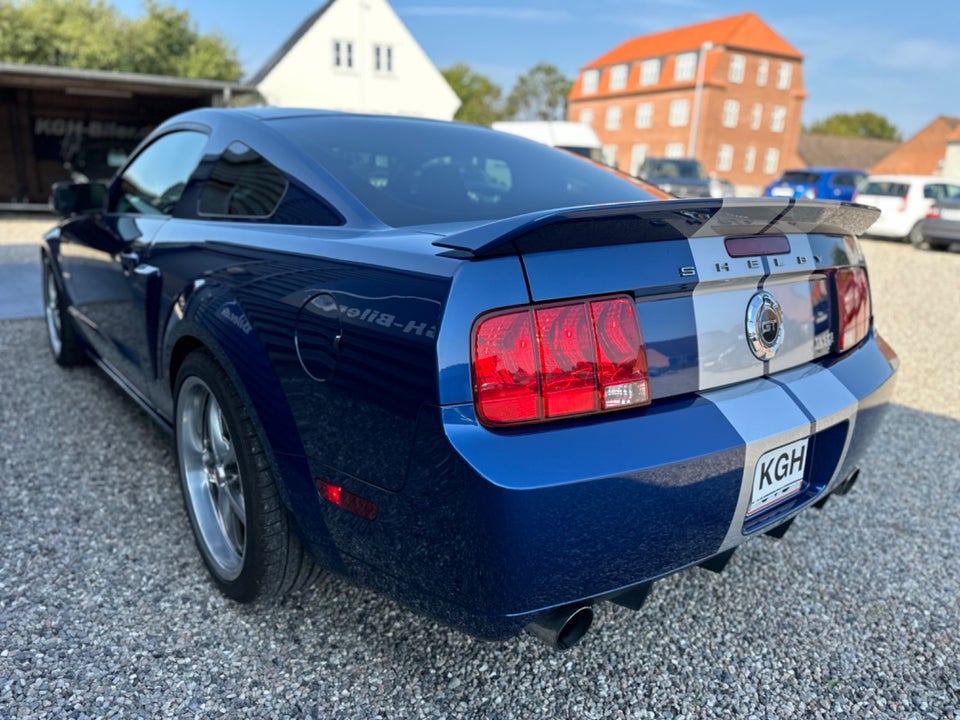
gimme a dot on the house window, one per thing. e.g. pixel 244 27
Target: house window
pixel 650 72
pixel 618 76
pixel 637 155
pixel 686 67
pixel 679 113
pixel 771 161
pixel 731 113
pixel 778 118
pixel 784 73
pixel 756 116
pixel 612 121
pixel 644 118
pixel 750 159
pixel 738 68
pixel 586 116
pixel 342 54
pixel 383 58
pixel 591 79
pixel 674 150
pixel 608 153
pixel 763 71
pixel 725 158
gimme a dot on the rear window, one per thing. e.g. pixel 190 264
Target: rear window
pixel 884 188
pixel 800 178
pixel 410 172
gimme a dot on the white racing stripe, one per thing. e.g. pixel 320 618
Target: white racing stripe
pixel 767 416
pixel 720 300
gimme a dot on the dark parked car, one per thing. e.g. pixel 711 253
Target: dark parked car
pixel 494 381
pixel 825 183
pixel 682 177
pixel 941 227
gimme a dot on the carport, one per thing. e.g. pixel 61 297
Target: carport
pixel 57 123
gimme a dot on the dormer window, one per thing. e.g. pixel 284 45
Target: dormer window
pixel 686 67
pixel 650 72
pixel 591 80
pixel 618 76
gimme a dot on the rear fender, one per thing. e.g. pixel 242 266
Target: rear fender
pixel 208 315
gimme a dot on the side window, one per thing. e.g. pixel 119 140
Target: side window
pixel 153 182
pixel 931 192
pixel 242 184
pixel 953 191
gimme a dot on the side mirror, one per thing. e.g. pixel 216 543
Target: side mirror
pixel 71 198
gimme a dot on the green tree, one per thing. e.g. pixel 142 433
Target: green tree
pixel 541 94
pixel 861 124
pixel 479 96
pixel 93 35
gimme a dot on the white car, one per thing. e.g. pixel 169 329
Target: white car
pixel 904 201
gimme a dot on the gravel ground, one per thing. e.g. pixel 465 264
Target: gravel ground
pixel 105 609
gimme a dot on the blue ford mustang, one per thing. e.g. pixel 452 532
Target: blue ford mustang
pixel 491 380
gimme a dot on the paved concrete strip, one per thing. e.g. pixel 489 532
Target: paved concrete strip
pixel 20 295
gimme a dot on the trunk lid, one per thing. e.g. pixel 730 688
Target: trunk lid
pixel 694 269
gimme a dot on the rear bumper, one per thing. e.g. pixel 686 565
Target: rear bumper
pixel 941 231
pixel 494 528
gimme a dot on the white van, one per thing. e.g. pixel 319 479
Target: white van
pixel 575 137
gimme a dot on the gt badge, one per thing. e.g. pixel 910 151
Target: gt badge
pixel 764 325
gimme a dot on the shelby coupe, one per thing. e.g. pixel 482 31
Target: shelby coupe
pixel 487 378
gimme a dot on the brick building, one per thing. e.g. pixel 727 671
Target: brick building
pixel 924 153
pixel 729 92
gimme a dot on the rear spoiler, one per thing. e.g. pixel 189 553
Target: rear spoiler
pixel 652 220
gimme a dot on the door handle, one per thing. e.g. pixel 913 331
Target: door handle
pixel 128 261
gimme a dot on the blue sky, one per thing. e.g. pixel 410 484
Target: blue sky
pixel 900 59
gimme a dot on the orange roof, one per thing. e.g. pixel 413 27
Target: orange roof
pixel 745 32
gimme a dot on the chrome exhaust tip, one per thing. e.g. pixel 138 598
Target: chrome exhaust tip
pixel 847 485
pixel 562 627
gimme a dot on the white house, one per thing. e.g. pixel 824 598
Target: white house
pixel 356 55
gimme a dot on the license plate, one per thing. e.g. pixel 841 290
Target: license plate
pixel 781 192
pixel 950 214
pixel 778 475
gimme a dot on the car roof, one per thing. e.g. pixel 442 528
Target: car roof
pixel 912 178
pixel 820 169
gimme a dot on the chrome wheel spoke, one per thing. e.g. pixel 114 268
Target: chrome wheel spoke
pixel 212 479
pixel 52 313
pixel 217 433
pixel 234 493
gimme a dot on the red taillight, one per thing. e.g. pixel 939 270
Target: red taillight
pixel 903 203
pixel 568 360
pixel 853 302
pixel 506 368
pixel 622 358
pixel 933 214
pixel 559 360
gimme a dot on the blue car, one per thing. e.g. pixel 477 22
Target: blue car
pixel 817 183
pixel 491 380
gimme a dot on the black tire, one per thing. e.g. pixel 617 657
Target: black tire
pixel 62 336
pixel 915 236
pixel 938 245
pixel 230 489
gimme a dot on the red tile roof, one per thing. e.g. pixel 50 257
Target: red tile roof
pixel 742 32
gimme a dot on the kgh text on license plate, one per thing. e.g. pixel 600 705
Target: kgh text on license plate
pixel 778 475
